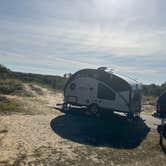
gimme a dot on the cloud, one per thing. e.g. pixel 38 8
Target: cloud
pixel 66 36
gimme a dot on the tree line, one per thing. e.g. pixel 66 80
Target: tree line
pixel 153 89
pixel 58 82
pixel 55 82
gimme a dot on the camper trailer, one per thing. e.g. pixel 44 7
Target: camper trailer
pixel 99 89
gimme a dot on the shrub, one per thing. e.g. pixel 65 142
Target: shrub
pixel 8 107
pixel 8 86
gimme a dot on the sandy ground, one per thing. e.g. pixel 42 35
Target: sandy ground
pixel 46 136
pixel 150 121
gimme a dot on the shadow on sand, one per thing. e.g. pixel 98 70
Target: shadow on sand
pixel 109 130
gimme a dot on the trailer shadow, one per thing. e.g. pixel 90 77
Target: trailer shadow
pixel 110 130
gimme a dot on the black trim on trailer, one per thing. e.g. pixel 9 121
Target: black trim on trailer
pixel 130 100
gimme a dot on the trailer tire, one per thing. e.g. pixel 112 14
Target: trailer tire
pixel 93 109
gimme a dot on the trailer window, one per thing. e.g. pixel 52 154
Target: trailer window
pixel 105 93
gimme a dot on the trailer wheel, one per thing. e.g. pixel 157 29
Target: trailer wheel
pixel 93 109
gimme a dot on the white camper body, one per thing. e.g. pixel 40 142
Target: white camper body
pixel 102 89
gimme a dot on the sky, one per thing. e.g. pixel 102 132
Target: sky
pixel 61 36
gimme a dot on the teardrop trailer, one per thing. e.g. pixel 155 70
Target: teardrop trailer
pixel 98 89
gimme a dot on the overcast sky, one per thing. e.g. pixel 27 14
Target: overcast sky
pixel 58 36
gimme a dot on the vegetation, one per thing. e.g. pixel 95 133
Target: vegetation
pixel 8 107
pixel 10 80
pixel 154 90
pixel 8 86
pixel 5 72
pixel 55 82
pixel 23 84
pixel 3 69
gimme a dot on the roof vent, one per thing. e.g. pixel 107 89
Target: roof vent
pixel 102 68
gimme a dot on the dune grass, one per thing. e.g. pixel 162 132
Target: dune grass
pixel 8 86
pixel 8 107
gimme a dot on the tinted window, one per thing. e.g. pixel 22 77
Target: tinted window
pixel 105 93
pixel 117 83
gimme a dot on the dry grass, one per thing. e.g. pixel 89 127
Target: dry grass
pixel 8 86
pixel 31 100
pixel 9 106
